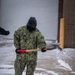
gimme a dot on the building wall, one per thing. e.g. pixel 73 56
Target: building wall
pixel 69 16
pixel 0 12
pixel 15 13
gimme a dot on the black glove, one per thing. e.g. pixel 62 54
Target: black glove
pixel 43 49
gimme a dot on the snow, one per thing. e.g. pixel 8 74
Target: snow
pixel 6 66
pixel 7 57
pixel 73 72
pixel 50 72
pixel 9 69
pixel 64 64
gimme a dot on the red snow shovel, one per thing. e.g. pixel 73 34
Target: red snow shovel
pixel 34 50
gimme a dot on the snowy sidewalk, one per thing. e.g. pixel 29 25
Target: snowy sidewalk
pixel 49 63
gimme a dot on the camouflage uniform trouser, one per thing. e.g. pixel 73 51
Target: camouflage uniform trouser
pixel 21 64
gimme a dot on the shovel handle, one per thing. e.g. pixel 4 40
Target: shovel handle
pixel 31 50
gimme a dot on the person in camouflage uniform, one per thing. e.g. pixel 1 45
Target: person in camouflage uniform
pixel 28 37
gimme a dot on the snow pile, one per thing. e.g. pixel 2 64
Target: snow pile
pixel 64 64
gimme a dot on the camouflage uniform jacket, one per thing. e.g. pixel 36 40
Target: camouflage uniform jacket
pixel 23 39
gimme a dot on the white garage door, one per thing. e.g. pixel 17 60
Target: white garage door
pixel 15 13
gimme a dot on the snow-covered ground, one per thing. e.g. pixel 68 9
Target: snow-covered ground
pixel 49 63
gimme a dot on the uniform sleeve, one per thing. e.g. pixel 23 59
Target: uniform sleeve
pixel 16 40
pixel 40 41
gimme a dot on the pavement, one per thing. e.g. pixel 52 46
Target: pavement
pixel 52 62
